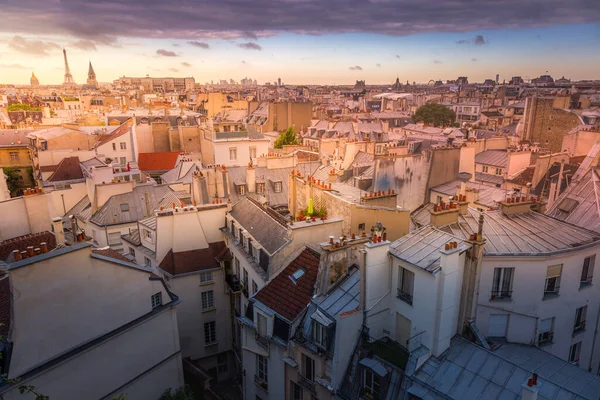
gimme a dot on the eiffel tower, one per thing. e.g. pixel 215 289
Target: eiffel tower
pixel 68 77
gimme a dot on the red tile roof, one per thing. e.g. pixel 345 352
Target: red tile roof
pixel 164 161
pixel 112 254
pixel 192 260
pixel 48 168
pixel 120 131
pixel 286 298
pixel 22 242
pixel 4 304
pixel 66 170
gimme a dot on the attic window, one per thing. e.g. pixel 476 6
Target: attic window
pixel 278 187
pixel 297 275
pixel 568 205
pixel 124 207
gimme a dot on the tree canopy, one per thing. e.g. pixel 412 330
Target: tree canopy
pixel 24 107
pixel 435 114
pixel 288 137
pixel 12 179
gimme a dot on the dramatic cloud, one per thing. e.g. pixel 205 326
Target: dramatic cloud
pixel 355 68
pixel 35 47
pixel 166 53
pixel 378 65
pixel 478 40
pixel 221 20
pixel 186 64
pixel 196 43
pixel 173 70
pixel 14 66
pixel 85 45
pixel 250 46
pixel 437 62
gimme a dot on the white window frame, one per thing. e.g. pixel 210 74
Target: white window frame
pixel 206 277
pixel 580 319
pixel 262 368
pixel 252 152
pixel 123 145
pixel 208 300
pixel 14 156
pixel 156 300
pixel 484 168
pixel 587 271
pixel 147 261
pixel 556 278
pixel 405 292
pixel 371 383
pixel 499 284
pixel 546 335
pixel 574 353
pixel 233 153
pixel 278 187
pixel 319 334
pixel 306 362
pixel 210 333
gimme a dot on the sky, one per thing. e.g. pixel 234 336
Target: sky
pixel 300 41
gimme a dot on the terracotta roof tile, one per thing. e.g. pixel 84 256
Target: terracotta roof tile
pixel 120 131
pixel 286 298
pixel 22 242
pixel 48 168
pixel 192 260
pixel 162 161
pixel 112 254
pixel 66 170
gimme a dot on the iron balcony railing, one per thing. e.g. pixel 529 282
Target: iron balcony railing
pixel 404 296
pixel 260 382
pixel 306 383
pixel 501 294
pixel 545 338
pixel 261 340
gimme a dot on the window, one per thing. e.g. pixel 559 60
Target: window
pixel 574 352
pixel 580 317
pixel 114 146
pixel 237 268
pixel 156 300
pixel 278 187
pixel 254 287
pixel 147 234
pixel 222 363
pixel 319 334
pixel 308 367
pixel 588 270
pixel 546 331
pixel 124 207
pixel 261 325
pixel 484 168
pixel 123 145
pixel 123 160
pixel 206 277
pixel 371 384
pixel 233 153
pixel 241 189
pixel 14 156
pixel 208 301
pixel 296 391
pixel 252 151
pixel 553 279
pixel 361 227
pixel 260 188
pixel 210 335
pixel 132 251
pixel 502 285
pixel 406 280
pixel 245 277
pixel 498 171
pixel 147 261
pixel 262 368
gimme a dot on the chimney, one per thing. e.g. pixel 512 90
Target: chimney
pixel 332 175
pixel 517 205
pixel 199 188
pixel 530 389
pixel 30 251
pixel 44 247
pixel 17 255
pixel 444 214
pixel 251 178
pixel 57 228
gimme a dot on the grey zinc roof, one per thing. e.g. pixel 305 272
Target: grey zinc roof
pixel 496 158
pixel 487 195
pixel 529 233
pixel 421 248
pixel 111 213
pixel 467 371
pixel 269 230
pixel 343 298
pixel 580 203
pixel 489 178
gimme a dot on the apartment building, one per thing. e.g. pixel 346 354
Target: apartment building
pixel 136 323
pixel 14 155
pixel 493 167
pixel 157 85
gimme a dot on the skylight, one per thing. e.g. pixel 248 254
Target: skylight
pixel 297 275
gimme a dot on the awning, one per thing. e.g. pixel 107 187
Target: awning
pixel 322 318
pixel 374 366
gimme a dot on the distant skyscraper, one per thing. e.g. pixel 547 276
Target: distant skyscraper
pixel 34 81
pixel 497 78
pixel 68 77
pixel 278 81
pixel 91 80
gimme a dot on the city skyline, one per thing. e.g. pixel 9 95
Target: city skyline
pixel 409 40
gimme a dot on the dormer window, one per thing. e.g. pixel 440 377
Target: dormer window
pixel 260 188
pixel 241 189
pixel 278 187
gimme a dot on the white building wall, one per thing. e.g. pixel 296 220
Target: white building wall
pixel 221 151
pixel 527 306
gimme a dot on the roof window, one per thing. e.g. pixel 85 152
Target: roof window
pixel 297 275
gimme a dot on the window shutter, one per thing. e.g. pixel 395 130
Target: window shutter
pixel 546 325
pixel 264 261
pixel 554 271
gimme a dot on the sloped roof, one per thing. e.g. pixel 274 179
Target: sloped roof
pixel 160 161
pixel 111 254
pixel 287 298
pixel 523 177
pixel 496 158
pixel 120 131
pixel 490 178
pixel 22 242
pixel 182 262
pixel 467 371
pixel 265 225
pixel 66 170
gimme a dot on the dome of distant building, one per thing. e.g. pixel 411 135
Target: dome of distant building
pixel 397 85
pixel 34 81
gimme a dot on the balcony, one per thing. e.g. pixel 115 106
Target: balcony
pixel 234 283
pixel 261 383
pixel 307 383
pixel 501 294
pixel 545 338
pixel 404 296
pixel 261 340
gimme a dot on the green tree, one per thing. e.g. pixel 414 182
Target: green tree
pixel 288 137
pixel 12 179
pixel 24 107
pixel 183 393
pixel 435 114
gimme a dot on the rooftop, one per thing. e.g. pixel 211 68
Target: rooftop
pixel 160 161
pixel 67 170
pixel 22 242
pixel 496 158
pixel 183 262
